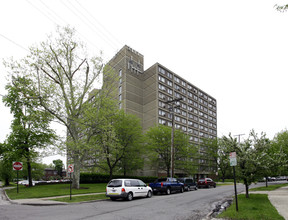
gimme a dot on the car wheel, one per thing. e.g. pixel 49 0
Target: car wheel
pixel 149 194
pixel 168 191
pixel 130 196
pixel 214 186
pixel 196 188
pixel 181 190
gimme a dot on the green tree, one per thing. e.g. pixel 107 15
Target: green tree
pixel 279 153
pixel 251 157
pixel 58 165
pixel 30 125
pixel 159 143
pixel 63 76
pixel 6 160
pixel 129 134
pixel 218 151
pixel 116 138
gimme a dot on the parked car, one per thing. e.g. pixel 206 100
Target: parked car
pixel 206 182
pixel 26 182
pixel 127 189
pixel 189 183
pixel 167 185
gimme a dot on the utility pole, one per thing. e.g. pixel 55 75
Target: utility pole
pixel 235 188
pixel 239 137
pixel 171 109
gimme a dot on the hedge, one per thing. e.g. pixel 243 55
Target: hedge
pixel 104 178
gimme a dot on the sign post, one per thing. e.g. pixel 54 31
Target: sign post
pixel 233 163
pixel 17 166
pixel 70 171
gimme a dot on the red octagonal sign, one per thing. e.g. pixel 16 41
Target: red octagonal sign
pixel 17 166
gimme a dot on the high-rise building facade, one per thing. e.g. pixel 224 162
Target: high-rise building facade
pixel 145 93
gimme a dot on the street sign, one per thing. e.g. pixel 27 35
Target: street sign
pixel 233 160
pixel 17 166
pixel 70 168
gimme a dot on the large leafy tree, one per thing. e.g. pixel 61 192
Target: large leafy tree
pixel 63 76
pixel 30 125
pixel 159 143
pixel 129 134
pixel 116 137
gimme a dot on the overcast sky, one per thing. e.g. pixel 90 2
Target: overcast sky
pixel 236 51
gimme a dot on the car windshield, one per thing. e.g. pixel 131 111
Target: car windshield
pixel 115 183
pixel 201 179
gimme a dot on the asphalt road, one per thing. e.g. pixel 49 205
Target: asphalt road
pixel 181 206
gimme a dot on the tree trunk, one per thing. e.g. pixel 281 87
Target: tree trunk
pixel 110 173
pixel 246 188
pixel 7 180
pixel 76 173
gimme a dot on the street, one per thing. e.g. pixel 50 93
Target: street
pixel 180 206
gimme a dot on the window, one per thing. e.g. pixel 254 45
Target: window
pixel 169 83
pixel 162 113
pixel 170 91
pixel 161 96
pixel 183 83
pixel 177 118
pixel 162 79
pixel 120 76
pixel 177 79
pixel 161 104
pixel 161 70
pixel 161 87
pixel 170 75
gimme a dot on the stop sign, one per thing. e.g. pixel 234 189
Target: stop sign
pixel 17 166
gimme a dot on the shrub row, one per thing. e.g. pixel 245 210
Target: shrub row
pixel 104 178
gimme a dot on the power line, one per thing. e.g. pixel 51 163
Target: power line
pixel 14 42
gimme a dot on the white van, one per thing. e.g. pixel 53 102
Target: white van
pixel 127 189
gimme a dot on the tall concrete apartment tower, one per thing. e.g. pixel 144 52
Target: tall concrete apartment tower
pixel 145 93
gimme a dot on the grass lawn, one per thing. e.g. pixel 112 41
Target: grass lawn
pixel 257 207
pixel 269 188
pixel 49 190
pixel 82 198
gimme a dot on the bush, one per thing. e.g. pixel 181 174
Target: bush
pixel 104 178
